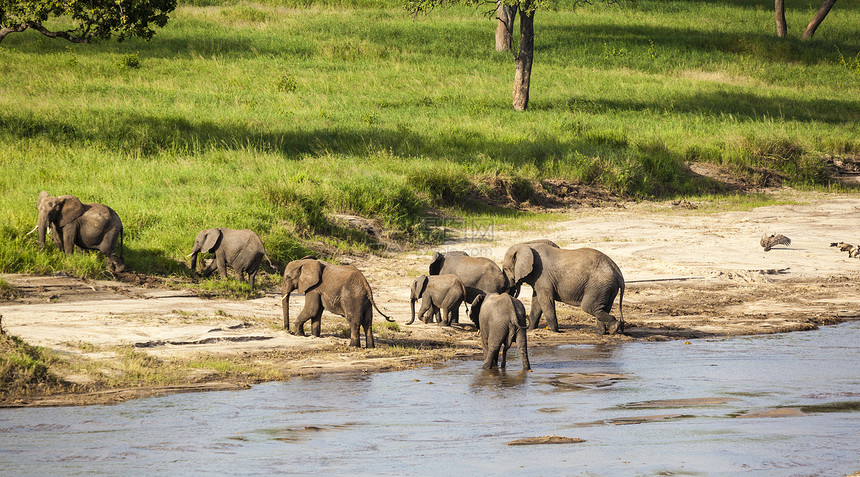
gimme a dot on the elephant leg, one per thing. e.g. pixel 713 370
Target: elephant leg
pixel 491 356
pixel 209 269
pixel 446 317
pixel 606 323
pixel 108 248
pixel 368 329
pixel 534 314
pixel 355 333
pixel 425 308
pixel 221 261
pixel 69 233
pixel 547 306
pixel 252 278
pixel 312 311
pixel 504 359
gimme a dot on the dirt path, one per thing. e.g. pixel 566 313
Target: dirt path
pixel 689 274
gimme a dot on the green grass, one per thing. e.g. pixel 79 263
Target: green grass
pixel 274 115
pixel 25 369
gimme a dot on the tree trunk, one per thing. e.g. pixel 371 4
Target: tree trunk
pixel 826 5
pixel 524 60
pixel 781 26
pixel 505 27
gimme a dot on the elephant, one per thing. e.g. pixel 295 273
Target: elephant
pixel 241 250
pixel 502 321
pixel 89 226
pixel 437 292
pixel 479 275
pixel 339 289
pixel 584 277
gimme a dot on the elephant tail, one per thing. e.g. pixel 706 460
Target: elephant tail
pixel 121 244
pixel 370 294
pixel 270 261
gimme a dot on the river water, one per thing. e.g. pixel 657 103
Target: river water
pixel 768 405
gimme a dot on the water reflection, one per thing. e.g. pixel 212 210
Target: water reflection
pixel 773 405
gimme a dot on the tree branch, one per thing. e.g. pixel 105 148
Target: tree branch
pixel 13 29
pixel 66 35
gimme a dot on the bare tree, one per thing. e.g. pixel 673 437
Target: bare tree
pixel 781 26
pixel 505 16
pixel 506 12
pixel 826 5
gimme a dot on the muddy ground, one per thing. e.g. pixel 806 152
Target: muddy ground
pixel 690 274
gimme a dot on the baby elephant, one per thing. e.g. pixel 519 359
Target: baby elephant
pixel 502 320
pixel 241 250
pixel 437 292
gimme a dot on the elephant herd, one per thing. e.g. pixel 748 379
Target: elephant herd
pixel 580 277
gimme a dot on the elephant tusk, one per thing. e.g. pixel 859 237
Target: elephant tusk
pixel 285 297
pixel 190 254
pixel 34 229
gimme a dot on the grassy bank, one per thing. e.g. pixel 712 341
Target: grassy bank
pixel 275 115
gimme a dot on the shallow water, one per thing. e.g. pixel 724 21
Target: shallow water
pixel 642 409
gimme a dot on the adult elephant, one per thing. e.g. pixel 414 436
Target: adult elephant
pixel 584 277
pixel 241 250
pixel 89 226
pixel 479 275
pixel 339 289
pixel 502 320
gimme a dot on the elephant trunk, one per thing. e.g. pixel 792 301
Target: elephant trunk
pixel 285 306
pixel 521 345
pixel 412 304
pixel 43 227
pixel 194 261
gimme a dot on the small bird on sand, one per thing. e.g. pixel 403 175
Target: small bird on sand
pixel 853 250
pixel 769 241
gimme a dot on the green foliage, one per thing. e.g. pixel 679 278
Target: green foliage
pixel 131 60
pixel 286 84
pixel 7 291
pixel 850 64
pixel 204 136
pixel 83 21
pixel 25 369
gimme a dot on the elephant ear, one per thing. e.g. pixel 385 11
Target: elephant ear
pixel 71 209
pixel 419 285
pixel 475 312
pixel 436 264
pixel 212 240
pixel 524 263
pixel 310 275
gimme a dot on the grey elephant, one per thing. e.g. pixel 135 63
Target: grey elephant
pixel 479 275
pixel 89 226
pixel 502 320
pixel 241 250
pixel 438 293
pixel 339 289
pixel 584 277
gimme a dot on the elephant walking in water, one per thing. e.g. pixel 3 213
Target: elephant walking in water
pixel 341 290
pixel 502 320
pixel 89 226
